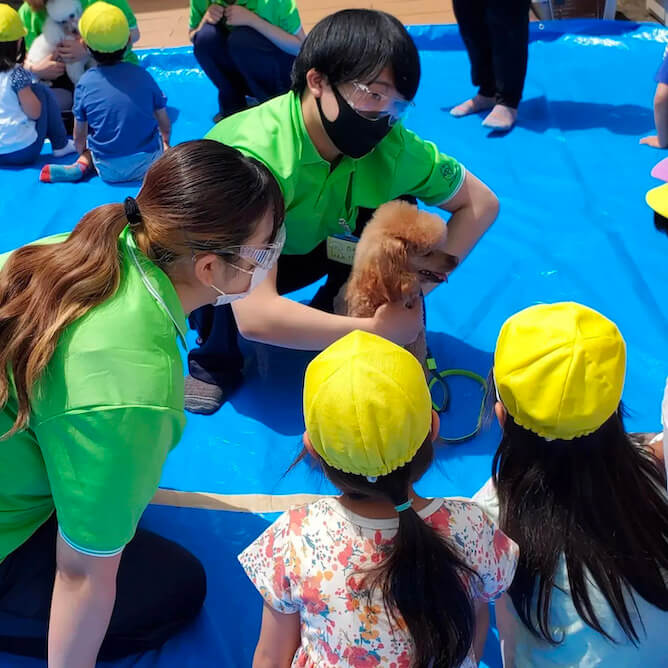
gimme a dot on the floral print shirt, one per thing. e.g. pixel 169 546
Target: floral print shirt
pixel 312 561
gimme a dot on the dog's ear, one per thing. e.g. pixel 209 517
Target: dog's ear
pixel 386 273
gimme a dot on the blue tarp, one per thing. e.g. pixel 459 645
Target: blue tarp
pixel 573 226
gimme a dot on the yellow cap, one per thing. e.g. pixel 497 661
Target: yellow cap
pixel 559 369
pixel 367 406
pixel 11 26
pixel 104 28
pixel 657 198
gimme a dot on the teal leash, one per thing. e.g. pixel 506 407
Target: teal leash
pixel 439 378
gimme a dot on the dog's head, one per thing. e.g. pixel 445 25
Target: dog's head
pixel 66 13
pixel 401 252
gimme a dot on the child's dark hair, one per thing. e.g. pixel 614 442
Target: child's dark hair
pixel 660 222
pixel 109 58
pixel 357 44
pixel 12 54
pixel 422 576
pixel 600 501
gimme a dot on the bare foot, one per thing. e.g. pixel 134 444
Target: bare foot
pixel 501 118
pixel 473 106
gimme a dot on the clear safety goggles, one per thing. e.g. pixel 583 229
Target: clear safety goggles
pixel 373 105
pixel 260 256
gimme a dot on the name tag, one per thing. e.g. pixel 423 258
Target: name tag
pixel 341 248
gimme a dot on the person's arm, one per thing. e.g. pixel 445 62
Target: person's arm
pixel 474 208
pixel 267 317
pixel 213 15
pixel 165 126
pixel 481 629
pixel 84 592
pixel 80 135
pixel 30 103
pixel 279 639
pixel 506 624
pixel 21 83
pixel 103 466
pixel 236 15
pixel 47 69
pixel 660 139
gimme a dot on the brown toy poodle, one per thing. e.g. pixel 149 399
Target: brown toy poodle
pixel 398 256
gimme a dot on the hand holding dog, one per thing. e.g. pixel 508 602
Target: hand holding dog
pixel 48 69
pixel 399 322
pixel 72 51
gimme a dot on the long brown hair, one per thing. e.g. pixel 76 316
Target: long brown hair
pixel 199 196
pixel 598 500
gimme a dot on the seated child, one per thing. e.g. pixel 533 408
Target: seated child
pixel 586 504
pixel 28 112
pixel 121 123
pixel 378 576
pixel 245 47
pixel 660 139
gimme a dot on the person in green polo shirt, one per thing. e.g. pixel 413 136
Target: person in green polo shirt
pixel 91 397
pixel 338 148
pixel 33 14
pixel 245 47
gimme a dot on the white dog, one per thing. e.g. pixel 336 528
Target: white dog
pixel 62 24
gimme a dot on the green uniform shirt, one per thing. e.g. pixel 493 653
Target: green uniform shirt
pixel 105 414
pixel 34 21
pixel 281 13
pixel 319 200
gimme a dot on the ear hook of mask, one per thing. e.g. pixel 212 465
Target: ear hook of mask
pixel 132 212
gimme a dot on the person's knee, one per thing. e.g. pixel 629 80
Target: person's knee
pixel 245 43
pixel 206 41
pixel 197 589
pixel 190 585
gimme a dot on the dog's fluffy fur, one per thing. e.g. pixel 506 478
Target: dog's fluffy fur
pixel 399 254
pixel 62 24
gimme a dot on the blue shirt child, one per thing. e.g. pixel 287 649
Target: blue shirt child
pixel 118 103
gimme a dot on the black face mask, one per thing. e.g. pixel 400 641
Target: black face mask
pixel 351 133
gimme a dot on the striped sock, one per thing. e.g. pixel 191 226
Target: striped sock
pixel 60 173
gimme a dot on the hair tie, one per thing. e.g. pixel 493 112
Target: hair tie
pixel 404 506
pixel 132 212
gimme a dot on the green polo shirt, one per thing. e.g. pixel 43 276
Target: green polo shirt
pixel 281 13
pixel 318 200
pixel 34 21
pixel 105 414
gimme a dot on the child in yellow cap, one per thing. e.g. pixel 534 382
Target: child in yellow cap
pixel 378 576
pixel 29 113
pixel 121 124
pixel 586 505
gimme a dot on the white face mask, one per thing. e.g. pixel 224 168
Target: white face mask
pixel 257 276
pixel 265 258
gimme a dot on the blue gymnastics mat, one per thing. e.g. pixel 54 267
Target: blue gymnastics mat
pixel 571 178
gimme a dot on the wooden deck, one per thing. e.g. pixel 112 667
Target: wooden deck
pixel 165 22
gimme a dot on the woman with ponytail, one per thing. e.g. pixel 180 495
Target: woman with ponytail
pixel 379 576
pixel 586 503
pixel 91 388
